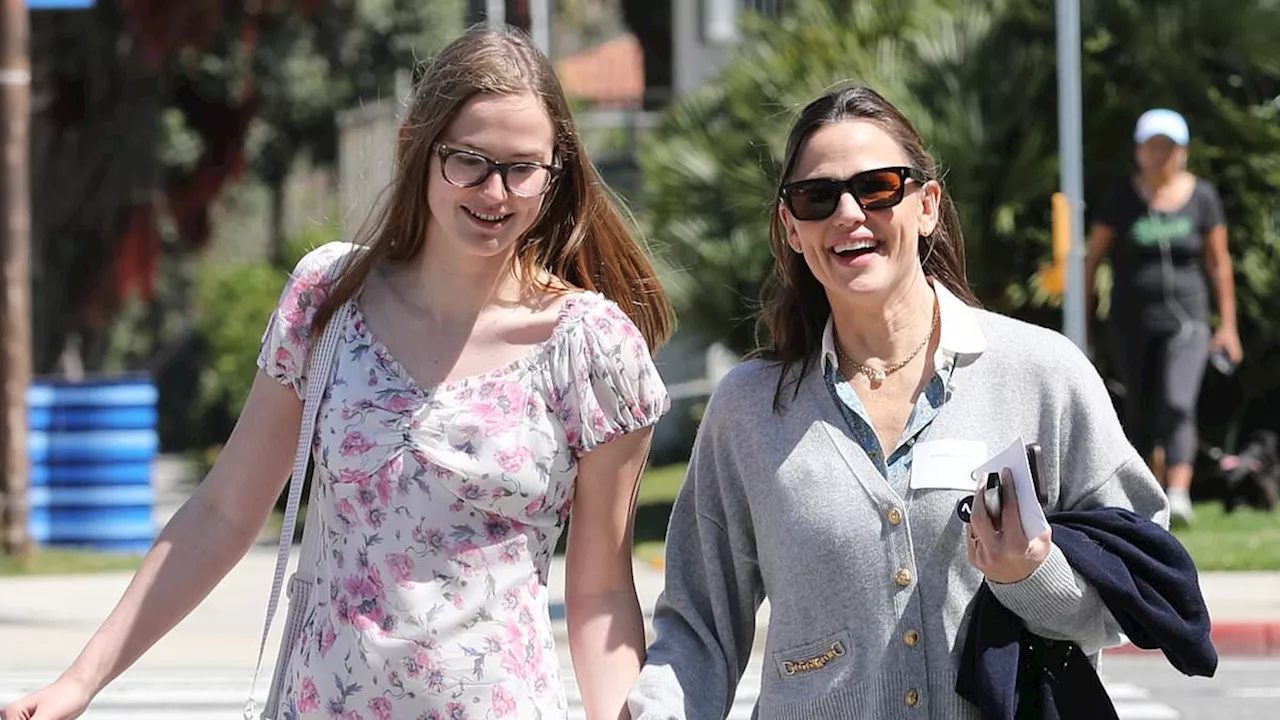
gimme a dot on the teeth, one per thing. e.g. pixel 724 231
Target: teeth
pixel 483 216
pixel 860 245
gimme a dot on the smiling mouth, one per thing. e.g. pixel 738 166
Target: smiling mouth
pixel 492 219
pixel 856 249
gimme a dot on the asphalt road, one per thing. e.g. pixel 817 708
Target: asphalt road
pixel 1242 689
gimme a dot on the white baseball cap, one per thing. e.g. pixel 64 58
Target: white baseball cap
pixel 1161 121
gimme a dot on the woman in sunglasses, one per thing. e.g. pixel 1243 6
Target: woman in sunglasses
pixel 833 474
pixel 493 372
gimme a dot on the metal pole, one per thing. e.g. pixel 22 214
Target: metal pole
pixel 1070 153
pixel 15 254
pixel 540 24
pixel 495 13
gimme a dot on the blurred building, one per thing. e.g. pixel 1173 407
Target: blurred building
pixel 682 43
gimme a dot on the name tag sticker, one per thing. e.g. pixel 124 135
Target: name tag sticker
pixel 946 464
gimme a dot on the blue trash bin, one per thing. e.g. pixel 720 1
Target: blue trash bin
pixel 92 444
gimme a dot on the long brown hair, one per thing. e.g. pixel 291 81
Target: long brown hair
pixel 580 237
pixel 795 306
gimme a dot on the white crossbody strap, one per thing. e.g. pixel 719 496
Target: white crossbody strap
pixel 319 369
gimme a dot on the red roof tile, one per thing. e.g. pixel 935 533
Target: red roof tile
pixel 611 73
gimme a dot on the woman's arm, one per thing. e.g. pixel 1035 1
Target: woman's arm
pixel 1051 597
pixel 1096 466
pixel 1101 237
pixel 1217 262
pixel 201 543
pixel 606 626
pixel 218 524
pixel 705 619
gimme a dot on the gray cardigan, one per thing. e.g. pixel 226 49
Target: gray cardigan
pixel 869 590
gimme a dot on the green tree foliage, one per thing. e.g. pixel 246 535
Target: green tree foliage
pixel 348 53
pixel 235 302
pixel 309 69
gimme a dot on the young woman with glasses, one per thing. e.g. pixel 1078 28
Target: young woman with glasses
pixel 833 473
pixel 494 373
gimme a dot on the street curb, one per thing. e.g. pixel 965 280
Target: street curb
pixel 1231 639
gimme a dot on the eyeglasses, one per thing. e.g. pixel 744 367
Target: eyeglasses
pixel 817 199
pixel 465 168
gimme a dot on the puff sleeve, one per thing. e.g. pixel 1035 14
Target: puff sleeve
pixel 606 383
pixel 285 342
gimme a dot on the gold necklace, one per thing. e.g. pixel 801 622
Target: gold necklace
pixel 879 375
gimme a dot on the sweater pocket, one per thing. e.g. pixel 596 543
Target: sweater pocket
pixel 823 657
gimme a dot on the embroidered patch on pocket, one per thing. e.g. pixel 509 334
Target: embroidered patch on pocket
pixel 814 663
pixel 813 656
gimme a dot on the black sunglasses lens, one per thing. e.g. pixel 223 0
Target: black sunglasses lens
pixel 878 189
pixel 814 199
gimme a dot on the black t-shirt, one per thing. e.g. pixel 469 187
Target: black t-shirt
pixel 1157 257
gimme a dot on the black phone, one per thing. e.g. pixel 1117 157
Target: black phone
pixel 1035 460
pixel 993 499
pixel 1222 362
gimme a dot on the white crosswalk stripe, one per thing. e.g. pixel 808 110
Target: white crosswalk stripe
pixel 218 694
pixel 1134 703
pixel 145 694
pixel 748 691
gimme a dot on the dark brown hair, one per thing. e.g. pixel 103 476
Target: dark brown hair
pixel 581 236
pixel 795 306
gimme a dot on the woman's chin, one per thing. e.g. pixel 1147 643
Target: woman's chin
pixel 865 282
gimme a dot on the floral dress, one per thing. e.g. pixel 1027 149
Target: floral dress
pixel 441 507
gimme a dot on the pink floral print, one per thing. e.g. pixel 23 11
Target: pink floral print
pixel 441 508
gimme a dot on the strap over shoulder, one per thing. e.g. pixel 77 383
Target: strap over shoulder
pixel 320 369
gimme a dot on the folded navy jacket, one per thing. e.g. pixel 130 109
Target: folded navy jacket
pixel 1148 583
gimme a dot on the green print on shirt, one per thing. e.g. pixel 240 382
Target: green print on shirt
pixel 1151 230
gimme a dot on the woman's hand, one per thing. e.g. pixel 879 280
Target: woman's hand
pixel 65 699
pixel 1229 340
pixel 1006 556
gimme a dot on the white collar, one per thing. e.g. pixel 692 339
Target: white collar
pixel 959 333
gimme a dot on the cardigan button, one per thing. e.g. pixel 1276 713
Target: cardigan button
pixel 911 638
pixel 902 577
pixel 912 698
pixel 895 516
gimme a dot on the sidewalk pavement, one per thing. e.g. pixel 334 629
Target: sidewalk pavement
pixel 44 621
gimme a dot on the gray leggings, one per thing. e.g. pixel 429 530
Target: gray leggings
pixel 1161 373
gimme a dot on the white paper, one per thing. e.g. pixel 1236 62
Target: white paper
pixel 945 464
pixel 1014 457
